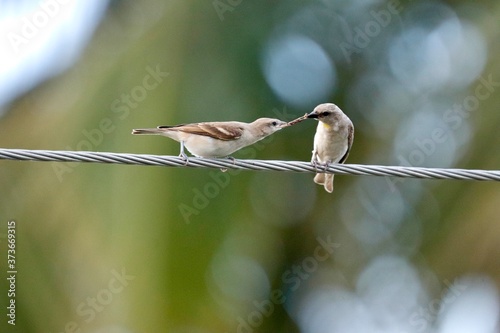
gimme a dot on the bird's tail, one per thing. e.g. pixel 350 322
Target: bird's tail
pixel 147 131
pixel 325 179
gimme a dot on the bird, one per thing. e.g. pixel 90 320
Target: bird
pixel 332 141
pixel 216 139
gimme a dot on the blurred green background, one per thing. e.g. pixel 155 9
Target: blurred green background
pixel 112 248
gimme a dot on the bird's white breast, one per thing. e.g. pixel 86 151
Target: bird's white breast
pixel 330 142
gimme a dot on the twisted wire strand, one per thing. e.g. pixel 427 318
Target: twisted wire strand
pixel 259 165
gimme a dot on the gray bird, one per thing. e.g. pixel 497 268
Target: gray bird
pixel 332 141
pixel 216 139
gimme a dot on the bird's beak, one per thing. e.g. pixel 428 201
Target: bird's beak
pixel 283 125
pixel 312 115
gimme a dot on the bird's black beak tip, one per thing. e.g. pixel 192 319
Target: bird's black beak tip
pixel 312 115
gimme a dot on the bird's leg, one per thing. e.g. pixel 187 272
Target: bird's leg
pixel 314 160
pixel 183 154
pixel 327 164
pixel 229 158
pixel 316 163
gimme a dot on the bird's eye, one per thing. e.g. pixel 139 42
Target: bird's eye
pixel 274 123
pixel 324 114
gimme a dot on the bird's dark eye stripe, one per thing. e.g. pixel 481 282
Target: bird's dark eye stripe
pixel 324 114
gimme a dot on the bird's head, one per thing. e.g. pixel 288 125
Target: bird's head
pixel 327 113
pixel 269 125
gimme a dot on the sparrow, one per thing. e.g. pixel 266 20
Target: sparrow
pixel 332 141
pixel 216 139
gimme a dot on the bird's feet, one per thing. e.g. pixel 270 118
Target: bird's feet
pixel 326 165
pixel 229 158
pixel 317 164
pixel 183 154
pixel 185 158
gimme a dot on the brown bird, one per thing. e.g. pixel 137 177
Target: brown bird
pixel 216 139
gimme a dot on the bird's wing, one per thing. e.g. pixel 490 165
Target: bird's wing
pixel 350 139
pixel 226 131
